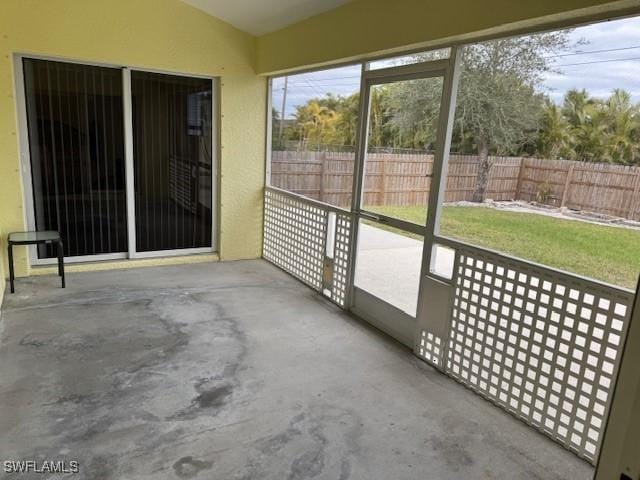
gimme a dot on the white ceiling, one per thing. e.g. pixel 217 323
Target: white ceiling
pixel 262 16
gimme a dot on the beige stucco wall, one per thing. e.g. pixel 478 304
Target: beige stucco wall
pixel 158 34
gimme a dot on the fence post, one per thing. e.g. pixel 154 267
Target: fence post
pixel 323 158
pixel 523 167
pixel 567 185
pixel 634 202
pixel 384 180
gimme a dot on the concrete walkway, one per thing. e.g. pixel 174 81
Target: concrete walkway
pixel 388 266
pixel 236 371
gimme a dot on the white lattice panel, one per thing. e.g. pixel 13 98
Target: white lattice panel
pixel 295 239
pixel 541 344
pixel 342 251
pixel 430 347
pixel 294 236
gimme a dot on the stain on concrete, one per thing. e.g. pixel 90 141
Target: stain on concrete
pixel 34 340
pixel 215 397
pixel 451 450
pixel 189 467
pixel 74 398
pixel 311 462
pixel 319 442
pixel 274 443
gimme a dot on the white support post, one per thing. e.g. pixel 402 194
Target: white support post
pixel 128 155
pixel 439 174
pixel 356 191
pixel 441 157
pixel 269 139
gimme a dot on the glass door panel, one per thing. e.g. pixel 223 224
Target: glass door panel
pixel 76 144
pixel 172 149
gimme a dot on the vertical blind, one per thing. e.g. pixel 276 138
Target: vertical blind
pixel 172 150
pixel 75 120
pixel 75 125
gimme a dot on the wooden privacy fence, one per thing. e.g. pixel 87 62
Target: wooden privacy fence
pixel 594 187
pixel 390 179
pixel 405 179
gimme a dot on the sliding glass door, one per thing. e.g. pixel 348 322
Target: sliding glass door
pixel 75 126
pixel 120 162
pixel 172 161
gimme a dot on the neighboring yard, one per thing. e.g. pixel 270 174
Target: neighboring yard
pixel 610 254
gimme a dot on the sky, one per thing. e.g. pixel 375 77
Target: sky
pixel 609 58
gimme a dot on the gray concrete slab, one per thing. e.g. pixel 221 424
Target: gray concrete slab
pixel 388 266
pixel 237 371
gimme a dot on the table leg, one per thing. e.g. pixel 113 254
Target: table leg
pixel 61 262
pixel 11 272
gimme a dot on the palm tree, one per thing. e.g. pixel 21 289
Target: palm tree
pixel 554 139
pixel 590 135
pixel 623 140
pixel 576 103
pixel 316 123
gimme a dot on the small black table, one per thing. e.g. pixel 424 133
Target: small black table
pixel 35 238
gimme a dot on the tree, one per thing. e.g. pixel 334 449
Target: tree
pixel 347 109
pixel 575 105
pixel 276 139
pixel 316 123
pixel 623 140
pixel 598 130
pixel 413 109
pixel 379 116
pixel 499 106
pixel 554 138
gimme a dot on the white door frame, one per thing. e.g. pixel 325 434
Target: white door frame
pixel 27 180
pixel 381 314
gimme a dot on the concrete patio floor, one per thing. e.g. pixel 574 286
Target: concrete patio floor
pixel 388 266
pixel 237 371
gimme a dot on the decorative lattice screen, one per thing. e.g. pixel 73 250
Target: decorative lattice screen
pixel 295 239
pixel 542 344
pixel 342 252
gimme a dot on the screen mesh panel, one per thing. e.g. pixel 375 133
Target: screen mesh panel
pixel 172 148
pixel 76 143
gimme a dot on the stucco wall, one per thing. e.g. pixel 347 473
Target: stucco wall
pixel 158 34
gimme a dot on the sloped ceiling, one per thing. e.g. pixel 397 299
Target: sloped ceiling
pixel 258 17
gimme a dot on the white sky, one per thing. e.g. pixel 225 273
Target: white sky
pixel 609 59
pixel 601 72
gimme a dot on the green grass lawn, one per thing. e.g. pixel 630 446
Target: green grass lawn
pixel 605 253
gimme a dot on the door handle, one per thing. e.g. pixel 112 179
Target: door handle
pixel 370 216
